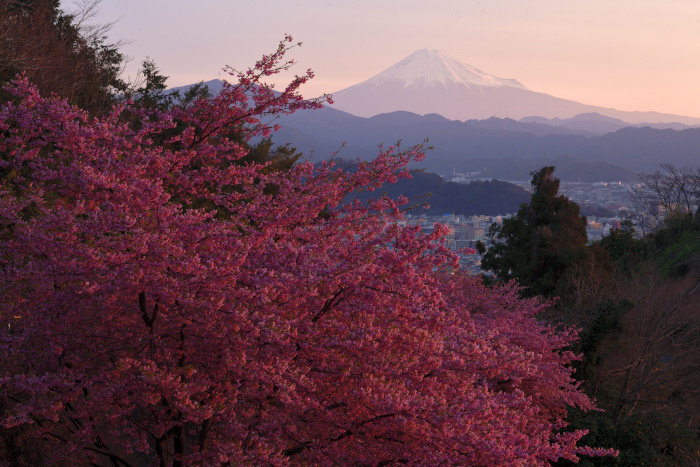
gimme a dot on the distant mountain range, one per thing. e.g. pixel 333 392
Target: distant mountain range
pixel 494 148
pixel 449 103
pixel 429 81
pixel 595 123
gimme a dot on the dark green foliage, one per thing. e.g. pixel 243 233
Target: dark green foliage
pixel 541 242
pixel 623 247
pixel 281 158
pixel 632 438
pixel 491 197
pixel 601 322
pixel 152 93
pixel 640 352
pixel 194 92
pixel 59 53
pixel 675 248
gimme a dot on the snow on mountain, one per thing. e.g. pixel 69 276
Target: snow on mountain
pixel 429 67
pixel 429 81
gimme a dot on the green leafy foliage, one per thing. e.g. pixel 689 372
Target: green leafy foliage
pixel 621 244
pixel 676 247
pixel 605 320
pixel 151 94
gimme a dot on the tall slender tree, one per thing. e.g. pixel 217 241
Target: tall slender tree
pixel 540 242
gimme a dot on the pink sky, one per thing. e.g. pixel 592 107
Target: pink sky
pixel 626 54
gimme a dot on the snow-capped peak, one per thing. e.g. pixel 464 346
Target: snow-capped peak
pixel 430 67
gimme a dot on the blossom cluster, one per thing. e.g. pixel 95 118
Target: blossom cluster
pixel 160 305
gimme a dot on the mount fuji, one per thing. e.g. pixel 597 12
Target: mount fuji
pixel 429 81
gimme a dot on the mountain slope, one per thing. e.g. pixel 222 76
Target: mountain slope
pixel 429 81
pixel 427 67
pixel 501 148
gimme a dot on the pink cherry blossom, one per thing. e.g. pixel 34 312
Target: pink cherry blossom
pixel 160 307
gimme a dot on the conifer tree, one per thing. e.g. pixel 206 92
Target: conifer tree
pixel 540 242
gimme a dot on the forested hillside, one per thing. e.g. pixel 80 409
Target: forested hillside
pixel 491 197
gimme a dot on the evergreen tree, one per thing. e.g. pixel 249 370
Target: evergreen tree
pixel 60 52
pixel 540 242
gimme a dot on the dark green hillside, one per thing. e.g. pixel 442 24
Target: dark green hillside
pixel 478 197
pixel 676 249
pixel 635 302
pixel 641 349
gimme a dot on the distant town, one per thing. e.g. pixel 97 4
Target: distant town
pixel 466 231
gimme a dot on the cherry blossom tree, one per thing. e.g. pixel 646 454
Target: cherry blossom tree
pixel 161 306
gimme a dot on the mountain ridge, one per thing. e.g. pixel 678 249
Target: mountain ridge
pixel 491 146
pixel 495 144
pixel 429 81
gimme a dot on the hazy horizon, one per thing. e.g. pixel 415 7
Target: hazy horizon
pixel 628 55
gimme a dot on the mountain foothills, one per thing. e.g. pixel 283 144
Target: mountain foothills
pixel 495 148
pixel 491 197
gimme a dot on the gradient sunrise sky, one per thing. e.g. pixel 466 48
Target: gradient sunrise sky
pixel 625 54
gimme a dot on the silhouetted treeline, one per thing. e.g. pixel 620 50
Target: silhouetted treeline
pixel 490 197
